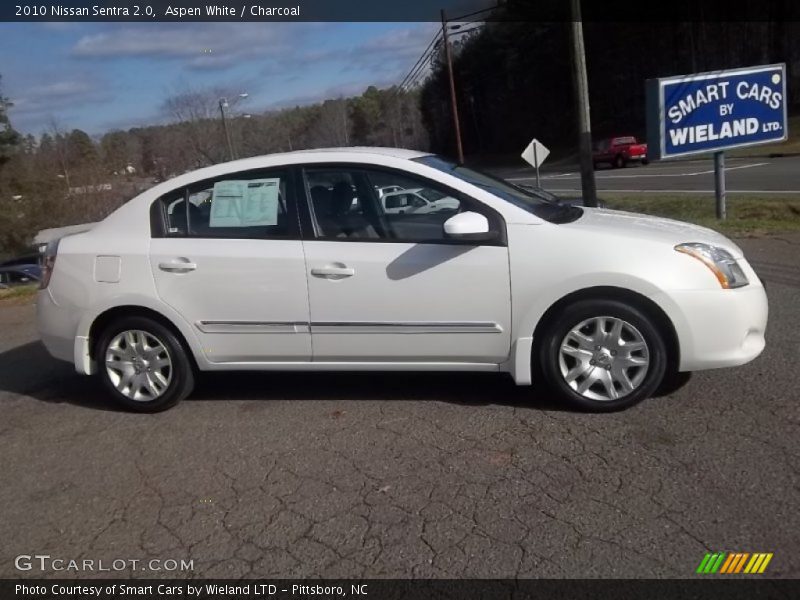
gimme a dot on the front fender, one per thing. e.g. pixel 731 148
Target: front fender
pixel 523 345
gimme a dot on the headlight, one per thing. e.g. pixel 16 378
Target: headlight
pixel 719 261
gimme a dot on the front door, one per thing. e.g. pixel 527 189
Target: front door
pixel 230 261
pixel 387 286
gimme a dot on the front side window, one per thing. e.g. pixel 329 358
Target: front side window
pixel 539 203
pixel 370 203
pixel 247 206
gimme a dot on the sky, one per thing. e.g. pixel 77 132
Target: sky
pixel 104 76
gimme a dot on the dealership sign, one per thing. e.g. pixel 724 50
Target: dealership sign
pixel 711 112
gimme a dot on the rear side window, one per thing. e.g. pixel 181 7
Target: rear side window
pixel 239 206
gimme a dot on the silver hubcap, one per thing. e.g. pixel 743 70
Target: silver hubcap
pixel 139 365
pixel 603 358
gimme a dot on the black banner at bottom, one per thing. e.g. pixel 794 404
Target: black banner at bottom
pixel 400 589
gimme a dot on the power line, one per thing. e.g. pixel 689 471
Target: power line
pixel 420 61
pixel 414 75
pixel 421 72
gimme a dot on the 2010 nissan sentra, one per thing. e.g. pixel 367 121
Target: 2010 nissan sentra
pixel 291 262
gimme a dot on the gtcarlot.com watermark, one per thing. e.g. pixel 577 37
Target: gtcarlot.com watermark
pixel 47 563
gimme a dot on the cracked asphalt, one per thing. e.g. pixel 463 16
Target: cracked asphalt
pixel 403 475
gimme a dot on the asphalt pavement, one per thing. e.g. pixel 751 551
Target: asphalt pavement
pixel 768 176
pixel 403 475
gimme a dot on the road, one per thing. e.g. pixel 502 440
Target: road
pixel 396 475
pixel 768 176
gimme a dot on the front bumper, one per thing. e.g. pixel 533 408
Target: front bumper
pixel 717 328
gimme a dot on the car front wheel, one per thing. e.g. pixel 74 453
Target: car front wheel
pixel 144 365
pixel 603 355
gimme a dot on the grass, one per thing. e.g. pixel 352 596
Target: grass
pixel 747 215
pixel 18 295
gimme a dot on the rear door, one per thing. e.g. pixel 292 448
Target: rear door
pixel 230 260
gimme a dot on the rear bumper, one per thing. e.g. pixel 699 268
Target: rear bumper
pixel 57 327
pixel 718 328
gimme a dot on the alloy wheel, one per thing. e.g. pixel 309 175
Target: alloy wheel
pixel 604 358
pixel 138 364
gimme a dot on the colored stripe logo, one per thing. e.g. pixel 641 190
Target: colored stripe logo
pixel 732 563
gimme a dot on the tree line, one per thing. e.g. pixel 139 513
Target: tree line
pixel 65 177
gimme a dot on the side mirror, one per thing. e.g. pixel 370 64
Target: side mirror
pixel 469 226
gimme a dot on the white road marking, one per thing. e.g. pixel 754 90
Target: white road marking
pixel 633 191
pixel 600 175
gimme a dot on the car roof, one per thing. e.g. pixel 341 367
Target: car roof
pixel 265 161
pixel 379 150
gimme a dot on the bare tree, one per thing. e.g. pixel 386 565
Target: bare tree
pixel 197 110
pixel 61 149
pixel 332 126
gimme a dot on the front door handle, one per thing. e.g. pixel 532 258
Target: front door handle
pixel 177 266
pixel 335 271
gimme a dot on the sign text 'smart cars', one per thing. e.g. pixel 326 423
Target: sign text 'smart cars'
pixel 710 112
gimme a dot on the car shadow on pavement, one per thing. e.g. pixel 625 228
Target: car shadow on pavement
pixel 30 371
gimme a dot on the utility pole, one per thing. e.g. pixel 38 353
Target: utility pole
pixel 222 104
pixel 582 97
pixel 453 101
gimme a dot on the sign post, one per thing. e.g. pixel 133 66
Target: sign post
pixel 535 154
pixel 712 112
pixel 719 185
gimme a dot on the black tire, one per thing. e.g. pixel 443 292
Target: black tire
pixel 645 162
pixel 549 359
pixel 619 161
pixel 181 380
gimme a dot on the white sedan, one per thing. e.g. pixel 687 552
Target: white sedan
pixel 267 263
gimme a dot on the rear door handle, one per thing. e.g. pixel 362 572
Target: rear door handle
pixel 177 266
pixel 333 272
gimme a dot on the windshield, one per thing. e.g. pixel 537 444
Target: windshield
pixel 540 203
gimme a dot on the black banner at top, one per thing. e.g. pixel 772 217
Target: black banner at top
pixel 775 11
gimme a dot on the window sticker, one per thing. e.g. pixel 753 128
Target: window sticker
pixel 249 203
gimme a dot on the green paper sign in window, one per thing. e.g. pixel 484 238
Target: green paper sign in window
pixel 250 203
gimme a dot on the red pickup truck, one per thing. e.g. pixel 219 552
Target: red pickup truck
pixel 619 151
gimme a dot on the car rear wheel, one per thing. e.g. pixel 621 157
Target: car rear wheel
pixel 619 161
pixel 144 365
pixel 602 355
